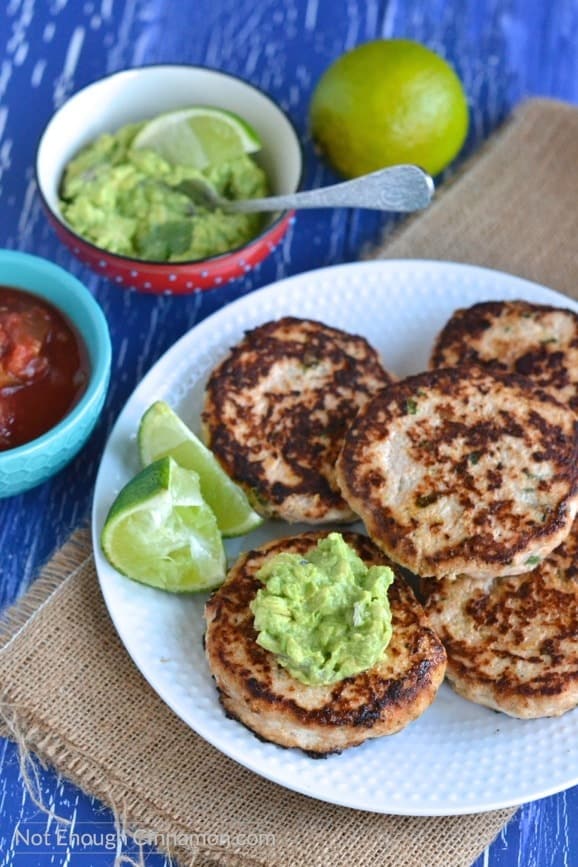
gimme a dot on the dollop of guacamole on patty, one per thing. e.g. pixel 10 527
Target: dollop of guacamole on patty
pixel 126 201
pixel 326 615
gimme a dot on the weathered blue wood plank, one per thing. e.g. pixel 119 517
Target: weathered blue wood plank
pixel 503 50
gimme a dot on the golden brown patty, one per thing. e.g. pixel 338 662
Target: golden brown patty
pixel 463 471
pixel 276 410
pixel 320 719
pixel 518 337
pixel 512 642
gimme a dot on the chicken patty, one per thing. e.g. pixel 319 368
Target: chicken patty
pixel 534 340
pixel 276 410
pixel 463 470
pixel 512 642
pixel 320 719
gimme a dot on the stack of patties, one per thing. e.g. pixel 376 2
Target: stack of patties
pixel 468 476
pixel 276 412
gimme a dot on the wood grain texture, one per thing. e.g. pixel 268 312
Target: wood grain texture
pixel 502 49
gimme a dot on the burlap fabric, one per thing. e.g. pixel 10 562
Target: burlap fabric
pixel 513 206
pixel 71 695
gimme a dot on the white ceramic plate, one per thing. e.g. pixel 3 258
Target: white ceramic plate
pixel 459 757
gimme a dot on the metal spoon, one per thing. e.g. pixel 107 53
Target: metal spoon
pixel 397 188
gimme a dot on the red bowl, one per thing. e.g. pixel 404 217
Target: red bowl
pixel 137 94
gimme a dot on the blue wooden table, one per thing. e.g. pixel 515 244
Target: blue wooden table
pixel 502 49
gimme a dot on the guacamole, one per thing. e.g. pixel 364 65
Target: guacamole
pixel 124 200
pixel 326 615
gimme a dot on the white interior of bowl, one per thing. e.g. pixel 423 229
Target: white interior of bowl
pixel 137 94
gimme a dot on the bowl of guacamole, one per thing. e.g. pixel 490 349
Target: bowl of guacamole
pixel 130 201
pixel 122 202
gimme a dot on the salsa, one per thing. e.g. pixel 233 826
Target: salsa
pixel 44 367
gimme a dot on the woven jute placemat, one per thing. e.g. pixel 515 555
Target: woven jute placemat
pixel 513 206
pixel 72 697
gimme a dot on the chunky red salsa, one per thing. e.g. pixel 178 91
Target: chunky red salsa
pixel 44 367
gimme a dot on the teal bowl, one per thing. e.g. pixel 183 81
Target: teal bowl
pixel 28 465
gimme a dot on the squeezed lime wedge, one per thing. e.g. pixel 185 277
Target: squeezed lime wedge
pixel 162 432
pixel 160 531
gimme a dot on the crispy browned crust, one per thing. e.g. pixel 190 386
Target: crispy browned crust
pixel 257 691
pixel 276 410
pixel 463 471
pixel 533 340
pixel 512 642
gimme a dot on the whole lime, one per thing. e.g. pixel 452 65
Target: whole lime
pixel 389 101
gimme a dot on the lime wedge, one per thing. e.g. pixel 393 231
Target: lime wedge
pixel 160 531
pixel 198 137
pixel 161 432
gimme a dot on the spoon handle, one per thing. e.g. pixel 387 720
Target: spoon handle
pixel 397 188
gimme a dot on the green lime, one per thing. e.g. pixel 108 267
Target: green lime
pixel 160 531
pixel 389 101
pixel 161 432
pixel 198 137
